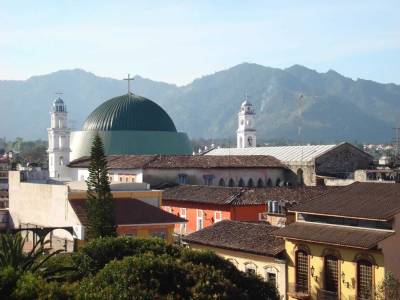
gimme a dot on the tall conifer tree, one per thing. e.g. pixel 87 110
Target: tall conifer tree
pixel 99 203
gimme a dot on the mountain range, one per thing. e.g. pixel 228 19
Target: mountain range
pixel 332 107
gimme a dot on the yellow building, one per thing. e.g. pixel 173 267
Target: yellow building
pixel 250 246
pixel 342 243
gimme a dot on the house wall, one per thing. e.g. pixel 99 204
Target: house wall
pixel 148 230
pixel 390 249
pixel 208 210
pixel 247 212
pixel 40 204
pixel 196 176
pixel 241 259
pixel 347 266
pixel 82 174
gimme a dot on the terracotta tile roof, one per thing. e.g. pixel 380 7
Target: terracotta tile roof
pixel 241 196
pixel 379 201
pixel 130 211
pixel 251 237
pixel 362 238
pixel 183 161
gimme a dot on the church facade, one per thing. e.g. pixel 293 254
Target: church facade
pixel 128 125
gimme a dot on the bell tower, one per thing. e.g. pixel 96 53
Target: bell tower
pixel 59 144
pixel 246 133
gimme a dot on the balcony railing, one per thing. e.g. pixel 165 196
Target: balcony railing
pixel 298 291
pixel 326 295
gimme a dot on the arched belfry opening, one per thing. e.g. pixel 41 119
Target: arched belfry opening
pixel 300 177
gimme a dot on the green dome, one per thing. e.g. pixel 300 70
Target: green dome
pixel 129 113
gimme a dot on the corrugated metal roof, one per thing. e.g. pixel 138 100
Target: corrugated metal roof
pixel 283 153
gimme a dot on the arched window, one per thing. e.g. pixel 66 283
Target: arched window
pixel 269 182
pixel 278 182
pixel 250 268
pixel 364 279
pixel 231 182
pixel 221 182
pixel 260 183
pixel 331 273
pixel 241 182
pixel 300 179
pixel 250 183
pixel 61 161
pixel 250 141
pixel 301 271
pixel 271 275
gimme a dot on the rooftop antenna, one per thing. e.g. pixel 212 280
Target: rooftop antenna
pixel 129 79
pixel 300 129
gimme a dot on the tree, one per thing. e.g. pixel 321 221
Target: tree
pixel 12 253
pixel 99 204
pixel 389 288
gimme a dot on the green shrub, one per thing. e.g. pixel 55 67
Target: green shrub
pixel 252 285
pixel 8 280
pixel 97 253
pixel 31 286
pixel 156 277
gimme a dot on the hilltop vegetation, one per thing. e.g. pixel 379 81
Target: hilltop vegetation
pixel 335 107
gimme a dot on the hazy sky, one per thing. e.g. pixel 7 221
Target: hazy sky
pixel 177 41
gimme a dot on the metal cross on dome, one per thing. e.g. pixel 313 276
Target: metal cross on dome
pixel 129 79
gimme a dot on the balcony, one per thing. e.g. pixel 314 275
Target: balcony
pixel 298 291
pixel 326 295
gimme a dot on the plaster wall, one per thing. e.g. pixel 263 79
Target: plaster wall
pixel 347 268
pixel 242 259
pixel 40 204
pixel 390 249
pixel 196 176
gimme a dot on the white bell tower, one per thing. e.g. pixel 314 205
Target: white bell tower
pixel 59 147
pixel 246 133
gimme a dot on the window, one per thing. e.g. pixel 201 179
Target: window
pixel 160 234
pixel 278 182
pixel 182 178
pixel 331 273
pixel 250 141
pixel 231 182
pixel 183 215
pixel 241 182
pixel 271 275
pixel 250 183
pixel 260 183
pixel 61 161
pixel 301 271
pixel 82 177
pixel 275 207
pixel 364 279
pixel 217 216
pixel 221 182
pixel 208 179
pixel 199 219
pixel 269 182
pixel 250 268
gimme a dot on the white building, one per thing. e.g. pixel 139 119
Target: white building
pixel 246 133
pixel 59 141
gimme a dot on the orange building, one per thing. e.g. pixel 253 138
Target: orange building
pixel 203 206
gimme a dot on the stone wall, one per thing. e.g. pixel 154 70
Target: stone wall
pixel 342 161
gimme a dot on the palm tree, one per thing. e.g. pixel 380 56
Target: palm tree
pixel 12 254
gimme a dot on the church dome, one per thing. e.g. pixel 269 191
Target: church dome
pixel 133 113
